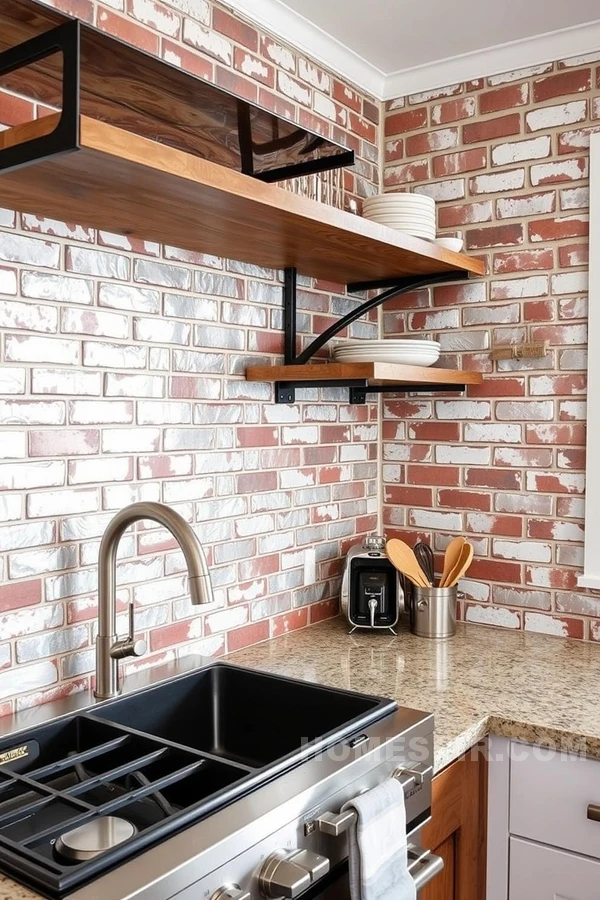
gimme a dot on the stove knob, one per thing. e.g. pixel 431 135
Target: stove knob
pixel 231 892
pixel 287 873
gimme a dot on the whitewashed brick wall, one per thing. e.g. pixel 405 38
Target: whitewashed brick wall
pixel 121 379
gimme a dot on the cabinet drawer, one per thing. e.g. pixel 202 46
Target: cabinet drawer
pixel 549 798
pixel 544 873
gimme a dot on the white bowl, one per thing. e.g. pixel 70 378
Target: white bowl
pixel 450 243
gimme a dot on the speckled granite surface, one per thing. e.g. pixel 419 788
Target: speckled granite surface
pixel 483 681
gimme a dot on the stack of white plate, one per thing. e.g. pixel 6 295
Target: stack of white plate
pixel 411 213
pixel 407 351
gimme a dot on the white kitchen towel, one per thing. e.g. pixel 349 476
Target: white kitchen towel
pixel 377 845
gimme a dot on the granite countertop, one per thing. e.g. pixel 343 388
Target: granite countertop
pixel 483 681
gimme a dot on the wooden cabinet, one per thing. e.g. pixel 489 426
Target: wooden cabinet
pixel 457 831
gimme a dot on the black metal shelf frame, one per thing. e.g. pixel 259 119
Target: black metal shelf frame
pixel 285 391
pixel 66 39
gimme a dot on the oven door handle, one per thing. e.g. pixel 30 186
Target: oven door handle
pixel 423 865
pixel 335 824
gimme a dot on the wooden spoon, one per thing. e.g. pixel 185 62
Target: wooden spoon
pixel 451 558
pixel 404 559
pixel 464 561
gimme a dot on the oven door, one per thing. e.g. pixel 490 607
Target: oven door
pixel 423 865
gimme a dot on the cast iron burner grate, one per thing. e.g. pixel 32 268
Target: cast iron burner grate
pixel 80 770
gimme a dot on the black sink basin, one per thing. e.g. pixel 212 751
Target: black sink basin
pixel 242 716
pixel 159 759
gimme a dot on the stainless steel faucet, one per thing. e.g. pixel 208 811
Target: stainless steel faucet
pixel 109 648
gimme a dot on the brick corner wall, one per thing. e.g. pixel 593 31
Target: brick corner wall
pixel 506 159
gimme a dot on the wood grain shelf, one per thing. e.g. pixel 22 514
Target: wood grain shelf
pixel 121 182
pixel 363 377
pixel 376 373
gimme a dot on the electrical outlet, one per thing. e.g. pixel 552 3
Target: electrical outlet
pixel 310 566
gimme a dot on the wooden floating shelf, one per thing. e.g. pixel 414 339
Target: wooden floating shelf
pixel 120 182
pixel 377 376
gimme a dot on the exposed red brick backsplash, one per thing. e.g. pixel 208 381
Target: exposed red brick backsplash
pixel 122 380
pixel 510 173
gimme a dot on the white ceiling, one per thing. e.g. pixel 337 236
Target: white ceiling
pixel 390 47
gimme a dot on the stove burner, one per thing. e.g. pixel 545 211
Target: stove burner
pixel 94 838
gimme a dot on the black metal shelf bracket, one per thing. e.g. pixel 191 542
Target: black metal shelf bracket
pixel 65 39
pixel 285 391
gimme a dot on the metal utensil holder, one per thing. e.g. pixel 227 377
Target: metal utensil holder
pixel 433 612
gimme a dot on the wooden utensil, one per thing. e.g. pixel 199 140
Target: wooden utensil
pixel 464 561
pixel 451 558
pixel 404 559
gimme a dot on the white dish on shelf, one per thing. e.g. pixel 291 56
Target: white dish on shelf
pixel 403 351
pixel 450 243
pixel 408 222
pixel 399 357
pixel 388 343
pixel 414 230
pixel 397 200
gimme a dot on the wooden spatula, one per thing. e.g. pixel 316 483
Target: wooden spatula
pixel 404 559
pixel 464 561
pixel 451 558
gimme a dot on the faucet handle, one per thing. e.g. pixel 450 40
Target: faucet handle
pixel 129 646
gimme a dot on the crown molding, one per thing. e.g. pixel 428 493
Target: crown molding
pixel 523 54
pixel 294 29
pixel 301 34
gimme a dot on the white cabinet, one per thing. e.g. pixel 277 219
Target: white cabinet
pixel 545 873
pixel 541 843
pixel 549 798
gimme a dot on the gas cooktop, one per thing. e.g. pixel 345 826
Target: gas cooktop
pixel 85 793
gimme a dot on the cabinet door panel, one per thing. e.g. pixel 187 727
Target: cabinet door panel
pixel 539 787
pixel 442 886
pixel 457 831
pixel 544 873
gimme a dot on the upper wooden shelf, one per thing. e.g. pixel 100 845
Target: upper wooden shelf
pixel 124 183
pixel 121 84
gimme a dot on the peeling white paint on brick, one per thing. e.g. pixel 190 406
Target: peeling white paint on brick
pixel 292 89
pixel 505 154
pixel 531 205
pixel 442 191
pixel 493 615
pixel 208 41
pixel 545 624
pixel 462 409
pixel 520 74
pixel 570 283
pixel 527 551
pixel 563 170
pixel 313 75
pixel 19 680
pixel 437 110
pixel 498 181
pixel 551 116
pixel 503 434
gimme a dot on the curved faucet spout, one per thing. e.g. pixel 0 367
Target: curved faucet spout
pixel 109 649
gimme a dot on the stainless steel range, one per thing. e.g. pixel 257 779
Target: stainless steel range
pixel 223 783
